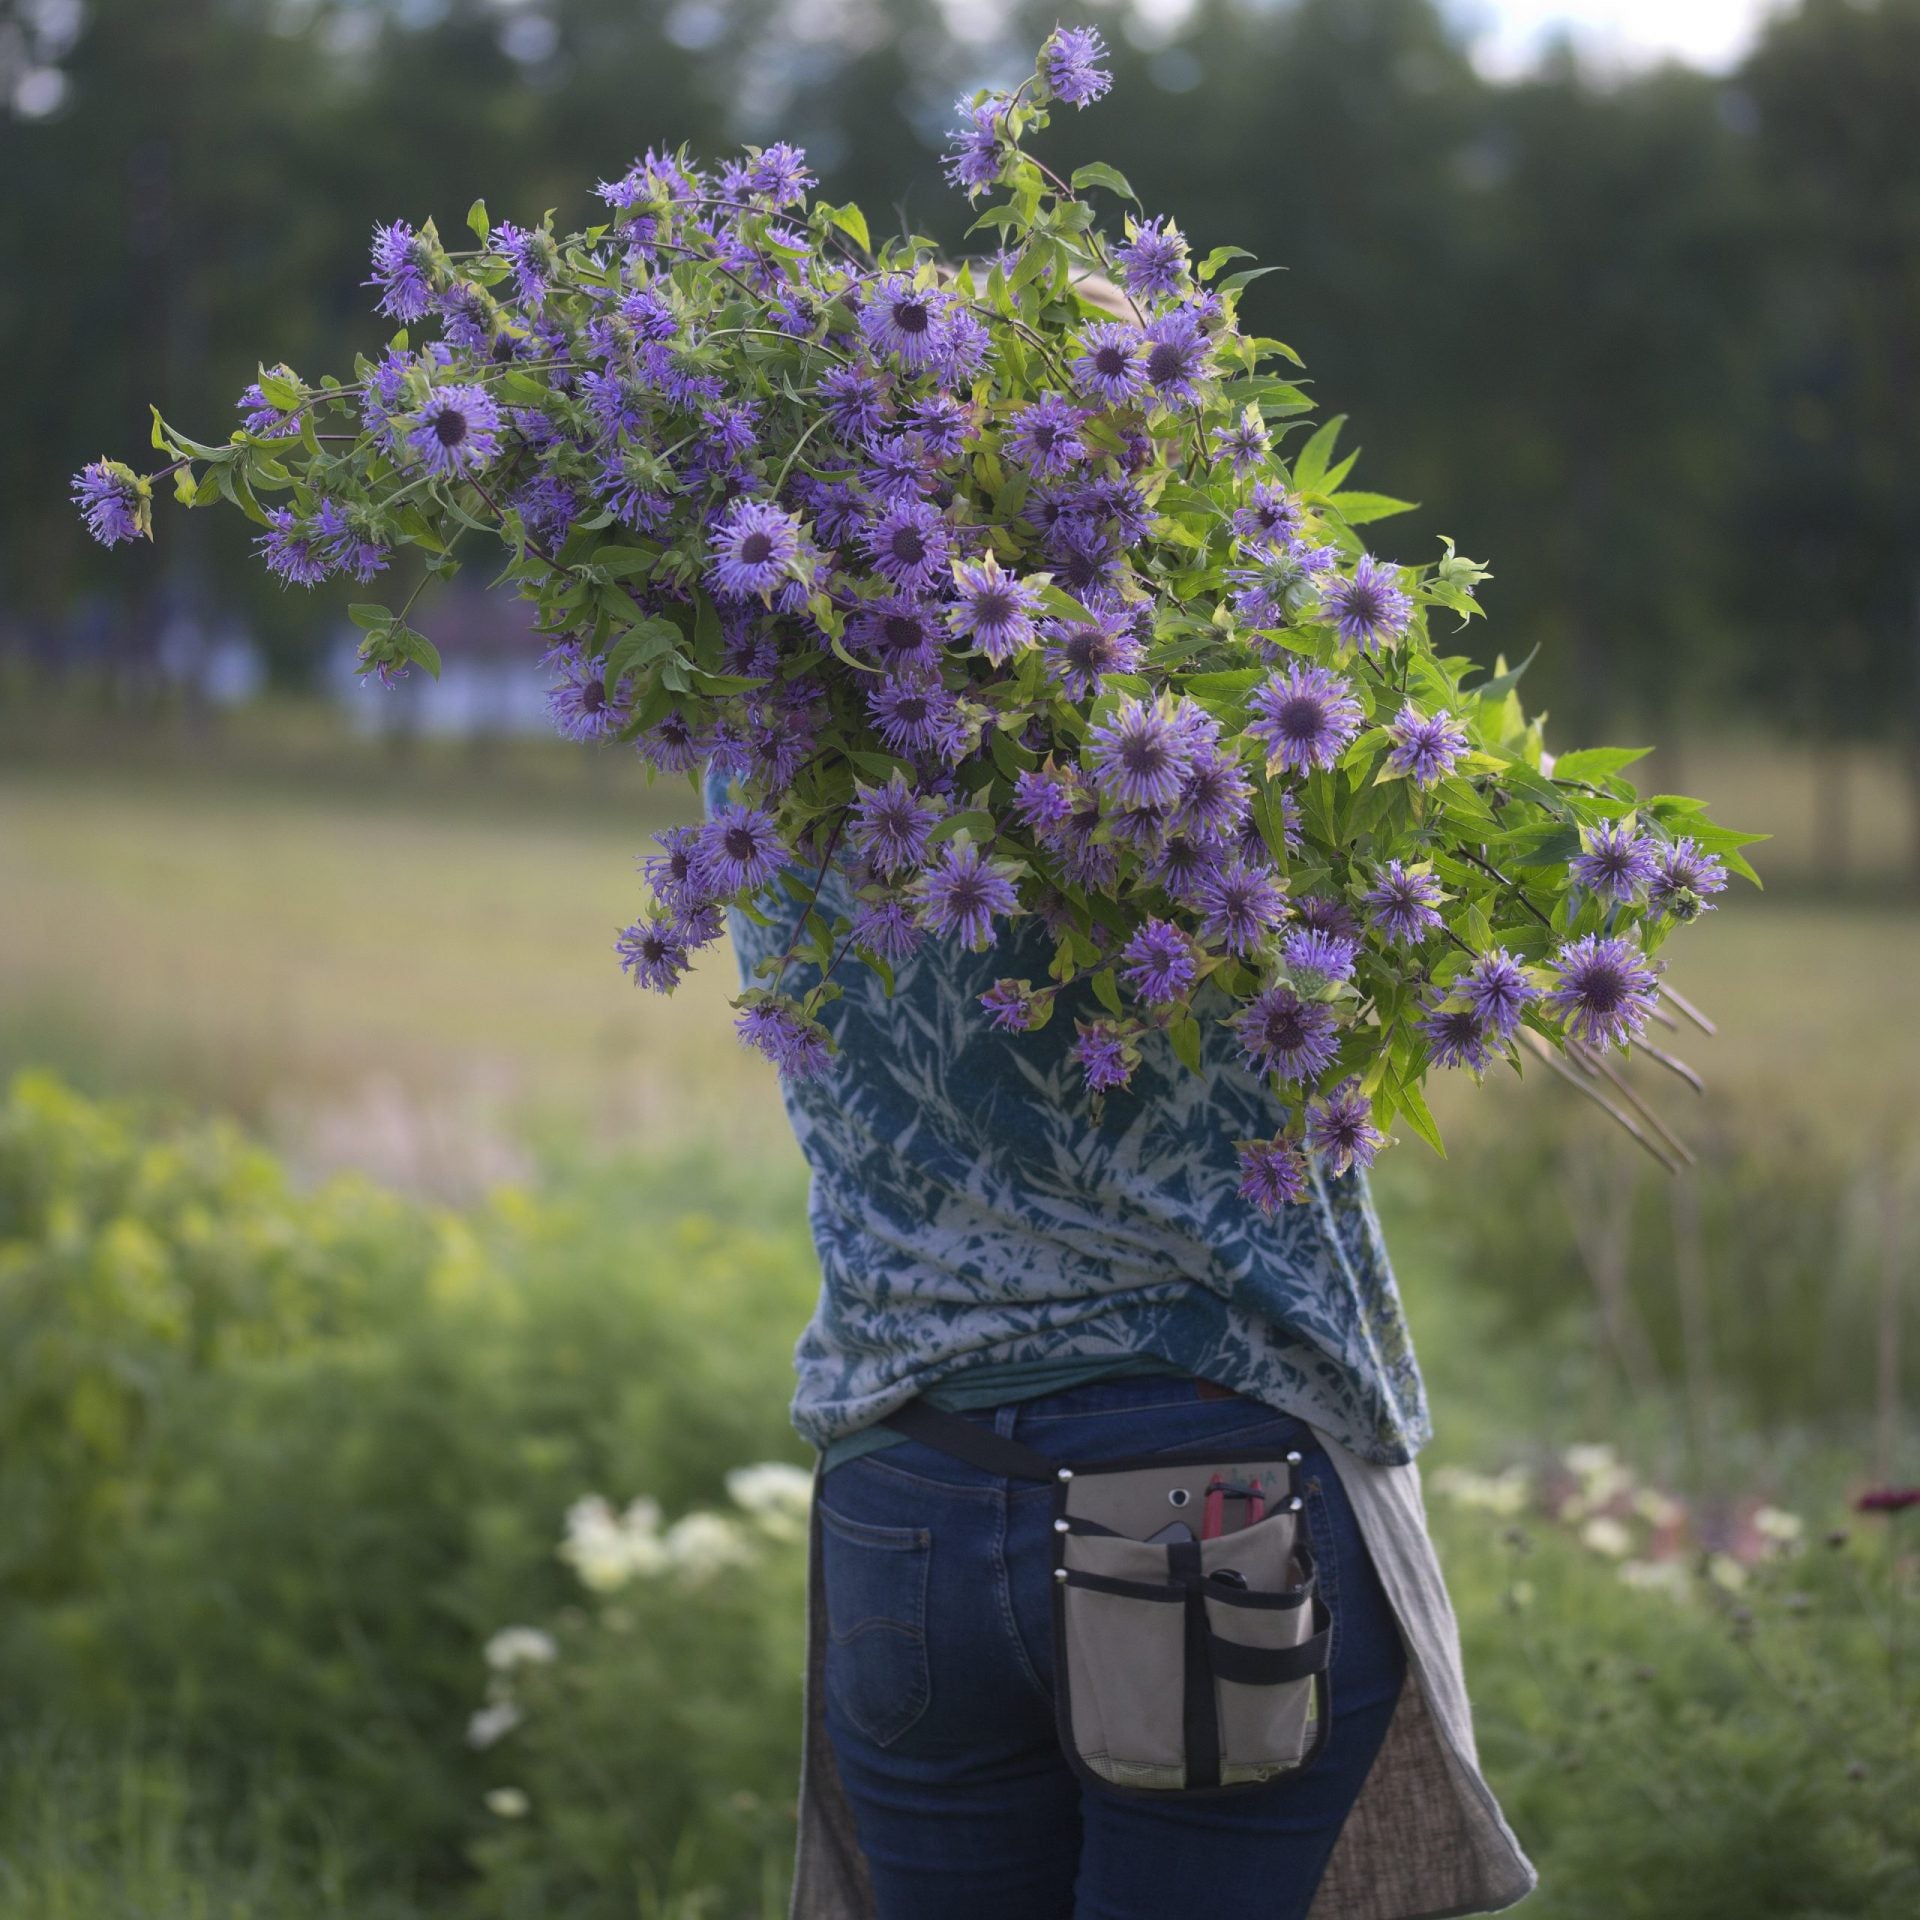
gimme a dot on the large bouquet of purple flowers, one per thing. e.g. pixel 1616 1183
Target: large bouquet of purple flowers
pixel 1016 583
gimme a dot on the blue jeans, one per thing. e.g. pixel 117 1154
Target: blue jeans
pixel 939 1684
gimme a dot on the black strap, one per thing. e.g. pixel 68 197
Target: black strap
pixel 1199 1714
pixel 1269 1666
pixel 978 1446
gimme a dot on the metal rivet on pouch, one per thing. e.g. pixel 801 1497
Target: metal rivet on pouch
pixel 1179 1497
pixel 1059 1573
pixel 1293 1505
pixel 1066 1473
pixel 1061 1526
pixel 1293 1459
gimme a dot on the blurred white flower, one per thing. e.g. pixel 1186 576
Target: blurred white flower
pixel 607 1549
pixel 493 1724
pixel 1657 1509
pixel 700 1545
pixel 1778 1525
pixel 775 1495
pixel 1604 1534
pixel 1657 1576
pixel 1503 1493
pixel 520 1647
pixel 1589 1461
pixel 1725 1571
pixel 510 1803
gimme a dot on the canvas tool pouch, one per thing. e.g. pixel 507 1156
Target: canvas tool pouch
pixel 1190 1667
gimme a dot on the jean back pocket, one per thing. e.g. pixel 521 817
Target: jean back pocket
pixel 876 1594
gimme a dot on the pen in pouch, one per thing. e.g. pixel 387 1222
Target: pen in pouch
pixel 1214 1523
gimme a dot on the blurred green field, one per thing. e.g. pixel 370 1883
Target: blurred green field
pixel 407 964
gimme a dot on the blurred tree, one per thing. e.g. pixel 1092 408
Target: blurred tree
pixel 1831 531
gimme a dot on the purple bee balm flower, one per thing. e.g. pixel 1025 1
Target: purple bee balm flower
pixel 1044 798
pixel 1283 1034
pixel 993 609
pixel 1215 796
pixel 1308 950
pixel 1176 359
pixel 914 713
pixel 291 550
pixel 1081 653
pixel 891 824
pixel 963 350
pixel 1327 916
pixel 1340 1129
pixel 1279 582
pixel 532 256
pixel 1426 747
pixel 753 548
pixel 1138 755
pixel 1240 905
pixel 780 173
pixel 796 1045
pixel 466 317
pixel 943 424
pixel 1273 1174
pixel 653 952
pixel 669 744
pixel 579 703
pixel 262 418
pixel 854 400
pixel 1457 1037
pixel 1112 362
pixel 113 500
pixel 344 548
pixel 1245 444
pixel 546 505
pixel 961 893
pixel 738 849
pixel 1305 717
pixel 887 928
pixel 973 147
pixel 1607 990
pixel 1684 878
pixel 910 544
pixel 1368 606
pixel 900 318
pixel 1009 1005
pixel 1070 65
pixel 899 630
pixel 402 264
pixel 1403 900
pixel 1158 963
pixel 1153 262
pixel 900 468
pixel 1271 517
pixel 1618 862
pixel 1498 991
pixel 1184 865
pixel 1046 437
pixel 674 873
pixel 1105 1053
pixel 457 432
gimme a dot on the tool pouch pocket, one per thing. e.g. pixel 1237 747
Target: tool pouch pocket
pixel 1192 1666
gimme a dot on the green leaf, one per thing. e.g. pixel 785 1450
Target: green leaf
pixel 1246 277
pixel 1106 989
pixel 370 617
pixel 851 221
pixel 1218 258
pixel 1310 465
pixel 1098 174
pixel 1501 684
pixel 417 647
pixel 478 221
pixel 979 825
pixel 1596 763
pixel 642 643
pixel 1413 1104
pixel 1185 1035
pixel 1361 509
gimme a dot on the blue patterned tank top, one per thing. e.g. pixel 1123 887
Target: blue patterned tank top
pixel 970 1210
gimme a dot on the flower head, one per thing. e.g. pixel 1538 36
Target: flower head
pixel 1498 991
pixel 1283 1034
pixel 1046 437
pixel 1305 717
pixel 908 321
pixel 1340 1129
pixel 1082 652
pixel 1240 905
pixel 1176 359
pixel 1106 1054
pixel 796 1045
pixel 402 270
pixel 753 549
pixel 1140 755
pixel 1153 260
pixel 1009 1005
pixel 1369 606
pixel 1272 1174
pixel 1404 900
pixel 910 544
pixel 653 951
pixel 1112 363
pixel 1618 862
pixel 1426 747
pixel 115 502
pixel 1244 445
pixel 1457 1036
pixel 1607 990
pixel 457 431
pixel 993 609
pixel 973 147
pixel 580 703
pixel 891 825
pixel 961 893
pixel 1685 879
pixel 1158 963
pixel 1307 950
pixel 1070 65
pixel 737 849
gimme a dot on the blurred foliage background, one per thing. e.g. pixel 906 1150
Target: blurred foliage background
pixel 357 1219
